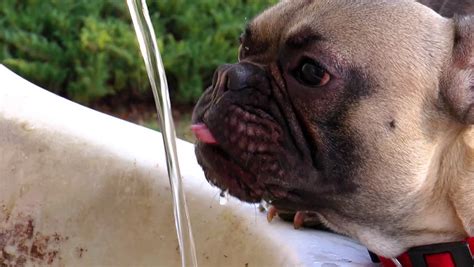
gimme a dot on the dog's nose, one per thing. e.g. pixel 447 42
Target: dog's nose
pixel 236 77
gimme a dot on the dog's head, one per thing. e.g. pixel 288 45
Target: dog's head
pixel 355 110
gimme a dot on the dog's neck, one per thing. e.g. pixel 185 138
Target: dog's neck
pixel 460 172
pixel 453 173
pixel 445 212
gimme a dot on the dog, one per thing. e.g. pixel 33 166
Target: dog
pixel 358 112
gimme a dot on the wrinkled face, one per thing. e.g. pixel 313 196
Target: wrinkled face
pixel 330 109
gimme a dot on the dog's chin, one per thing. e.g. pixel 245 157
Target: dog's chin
pixel 250 183
pixel 225 173
pixel 247 184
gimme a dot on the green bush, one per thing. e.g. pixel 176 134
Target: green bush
pixel 86 50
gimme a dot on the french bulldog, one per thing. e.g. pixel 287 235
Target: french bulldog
pixel 358 112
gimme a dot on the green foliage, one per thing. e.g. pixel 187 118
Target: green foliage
pixel 86 49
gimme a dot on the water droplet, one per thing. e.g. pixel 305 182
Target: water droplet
pixel 224 197
pixel 265 205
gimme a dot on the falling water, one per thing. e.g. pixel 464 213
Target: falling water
pixel 154 66
pixel 223 198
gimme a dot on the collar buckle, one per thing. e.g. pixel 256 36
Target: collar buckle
pixel 459 253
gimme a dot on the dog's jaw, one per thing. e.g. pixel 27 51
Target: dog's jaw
pixel 431 213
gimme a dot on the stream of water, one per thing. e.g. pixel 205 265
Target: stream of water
pixel 156 73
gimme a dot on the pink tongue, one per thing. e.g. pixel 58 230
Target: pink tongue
pixel 203 134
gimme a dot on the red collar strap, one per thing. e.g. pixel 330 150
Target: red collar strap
pixel 454 254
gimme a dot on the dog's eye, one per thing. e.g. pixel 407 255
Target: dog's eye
pixel 312 74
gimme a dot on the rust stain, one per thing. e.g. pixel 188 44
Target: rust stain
pixel 80 251
pixel 21 244
pixel 5 212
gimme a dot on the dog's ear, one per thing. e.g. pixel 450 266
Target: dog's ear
pixel 457 83
pixel 448 8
